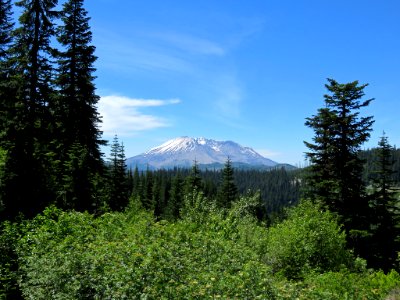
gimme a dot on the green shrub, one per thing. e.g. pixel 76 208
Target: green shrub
pixel 126 256
pixel 345 285
pixel 309 240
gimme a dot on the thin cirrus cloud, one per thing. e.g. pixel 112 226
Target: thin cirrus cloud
pixel 161 51
pixel 189 43
pixel 123 115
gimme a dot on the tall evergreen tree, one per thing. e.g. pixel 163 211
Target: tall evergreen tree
pixel 75 109
pixel 6 28
pixel 6 99
pixel 118 185
pixel 175 201
pixel 27 186
pixel 322 184
pixel 385 243
pixel 228 191
pixel 339 134
pixel 194 181
pixel 147 190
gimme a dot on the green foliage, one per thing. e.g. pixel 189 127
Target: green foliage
pixel 344 285
pixel 209 253
pixel 309 240
pixel 9 236
pixel 125 256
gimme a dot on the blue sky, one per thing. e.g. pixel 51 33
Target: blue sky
pixel 248 71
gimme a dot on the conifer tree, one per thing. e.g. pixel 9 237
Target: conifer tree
pixel 194 181
pixel 27 187
pixel 6 28
pixel 147 197
pixel 136 187
pixel 6 99
pixel 385 242
pixel 118 187
pixel 76 192
pixel 174 205
pixel 321 182
pixel 228 191
pixel 76 106
pixel 339 134
pixel 75 109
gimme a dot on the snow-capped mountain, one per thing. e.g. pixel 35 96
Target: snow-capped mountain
pixel 183 151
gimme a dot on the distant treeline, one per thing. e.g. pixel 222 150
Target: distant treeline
pixel 161 190
pixel 370 157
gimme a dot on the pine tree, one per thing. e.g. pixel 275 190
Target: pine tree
pixel 174 205
pixel 228 191
pixel 147 198
pixel 27 186
pixel 75 109
pixel 321 182
pixel 339 134
pixel 118 187
pixel 6 98
pixel 6 28
pixel 76 192
pixel 194 181
pixel 385 243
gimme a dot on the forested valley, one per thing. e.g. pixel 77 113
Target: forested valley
pixel 76 224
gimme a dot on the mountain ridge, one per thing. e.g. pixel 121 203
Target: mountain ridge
pixel 182 151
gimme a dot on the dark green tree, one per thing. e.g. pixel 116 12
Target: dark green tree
pixel 228 192
pixel 74 109
pixel 6 29
pixel 339 134
pixel 118 185
pixel 136 186
pixel 194 181
pixel 322 184
pixel 27 188
pixel 76 192
pixel 384 219
pixel 6 101
pixel 174 205
pixel 147 191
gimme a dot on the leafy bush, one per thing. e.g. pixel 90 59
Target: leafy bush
pixel 9 235
pixel 309 240
pixel 208 254
pixel 127 256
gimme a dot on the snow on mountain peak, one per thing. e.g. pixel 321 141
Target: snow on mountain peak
pixel 182 151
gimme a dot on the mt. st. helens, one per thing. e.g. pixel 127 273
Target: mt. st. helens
pixel 183 151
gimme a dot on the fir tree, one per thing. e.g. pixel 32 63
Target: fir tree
pixel 6 28
pixel 75 109
pixel 147 191
pixel 27 187
pixel 228 191
pixel 194 181
pixel 76 192
pixel 339 134
pixel 385 242
pixel 174 205
pixel 118 187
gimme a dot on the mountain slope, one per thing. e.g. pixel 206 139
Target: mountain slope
pixel 183 151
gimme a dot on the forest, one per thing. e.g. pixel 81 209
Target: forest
pixel 77 225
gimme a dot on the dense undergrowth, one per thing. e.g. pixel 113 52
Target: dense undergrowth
pixel 209 253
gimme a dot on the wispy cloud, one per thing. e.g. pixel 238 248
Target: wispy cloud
pixel 122 115
pixel 229 96
pixel 189 43
pixel 154 51
pixel 268 153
